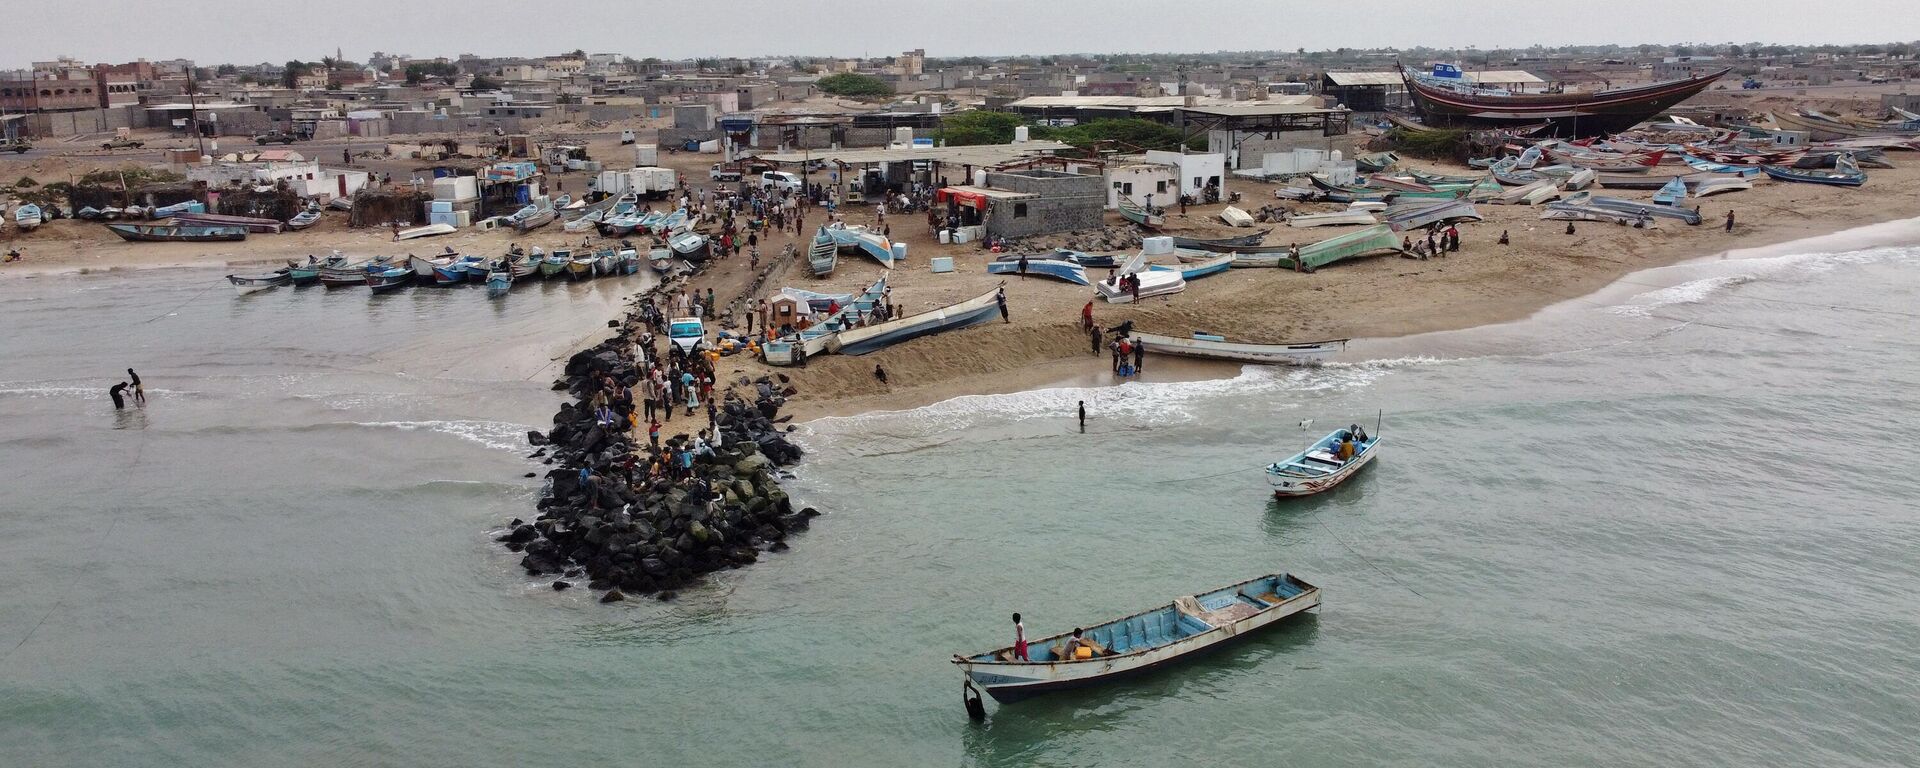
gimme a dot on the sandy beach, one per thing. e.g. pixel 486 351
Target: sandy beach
pixel 1385 296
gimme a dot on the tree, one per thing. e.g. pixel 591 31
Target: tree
pixel 329 63
pixel 483 83
pixel 578 53
pixel 1145 134
pixel 290 74
pixel 739 69
pixel 225 70
pixel 977 127
pixel 853 84
pixel 1735 51
pixel 420 71
pixel 1683 50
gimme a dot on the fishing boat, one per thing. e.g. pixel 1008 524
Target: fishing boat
pixel 866 241
pixel 1717 185
pixel 1131 211
pixel 1376 239
pixel 430 230
pixel 1144 641
pixel 477 270
pixel 661 260
pixel 1563 211
pixel 1580 179
pixel 304 219
pixel 454 271
pixel 27 217
pixel 523 267
pixel 1060 269
pixel 1429 178
pixel 531 218
pixel 392 279
pixel 1375 162
pixel 427 270
pixel 1219 244
pixel 303 274
pixel 1194 270
pixel 1349 218
pixel 1843 174
pixel 629 260
pixel 863 339
pixel 1414 216
pixel 245 284
pixel 1822 128
pixel 1686 215
pixel 605 262
pixel 1610 162
pixel 189 206
pixel 1211 347
pixel 1152 283
pixel 169 233
pixel 1234 217
pixel 499 282
pixel 252 224
pixel 1672 193
pixel 1445 98
pixel 691 246
pixel 823 254
pixel 671 223
pixel 581 267
pixel 587 222
pixel 556 263
pixel 345 274
pixel 623 217
pixel 1323 465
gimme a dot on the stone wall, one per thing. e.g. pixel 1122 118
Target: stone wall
pixel 1062 202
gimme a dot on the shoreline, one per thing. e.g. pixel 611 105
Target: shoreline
pixel 1067 372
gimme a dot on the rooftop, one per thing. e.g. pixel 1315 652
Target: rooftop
pixel 983 154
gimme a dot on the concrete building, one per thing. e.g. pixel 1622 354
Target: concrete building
pixel 1197 170
pixel 1137 181
pixel 1676 67
pixel 1038 202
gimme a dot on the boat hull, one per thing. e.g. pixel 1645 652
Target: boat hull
pixel 1058 270
pixel 1572 115
pixel 1308 486
pixel 872 338
pixel 1308 353
pixel 1012 681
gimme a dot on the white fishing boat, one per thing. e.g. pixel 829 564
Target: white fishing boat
pixel 1212 347
pixel 430 230
pixel 1714 186
pixel 27 216
pixel 1235 217
pixel 869 338
pixel 1144 641
pixel 304 219
pixel 1323 465
pixel 245 284
pixel 1152 283
pixel 1581 179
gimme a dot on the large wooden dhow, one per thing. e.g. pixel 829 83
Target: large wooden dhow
pixel 1144 641
pixel 1446 98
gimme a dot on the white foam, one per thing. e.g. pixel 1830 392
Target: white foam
pixel 501 435
pixel 1690 292
pixel 1749 270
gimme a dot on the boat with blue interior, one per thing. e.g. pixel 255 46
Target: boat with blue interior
pixel 1325 464
pixel 1138 643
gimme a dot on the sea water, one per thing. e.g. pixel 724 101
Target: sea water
pixel 1669 522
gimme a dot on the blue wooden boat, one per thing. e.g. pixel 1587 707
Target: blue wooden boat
pixel 499 282
pixel 1323 465
pixel 390 279
pixel 1671 193
pixel 823 254
pixel 454 271
pixel 605 262
pixel 1040 265
pixel 556 263
pixel 629 261
pixel 304 274
pixel 871 243
pixel 477 270
pixel 1845 173
pixel 1144 641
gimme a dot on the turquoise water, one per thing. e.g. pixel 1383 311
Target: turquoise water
pixel 1671 522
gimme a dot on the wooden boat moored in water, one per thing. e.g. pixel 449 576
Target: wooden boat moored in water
pixel 245 284
pixel 1143 641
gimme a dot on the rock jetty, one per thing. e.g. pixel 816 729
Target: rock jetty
pixel 629 519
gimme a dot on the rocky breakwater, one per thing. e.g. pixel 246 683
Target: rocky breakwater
pixel 628 519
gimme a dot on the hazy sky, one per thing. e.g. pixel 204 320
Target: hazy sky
pixel 218 31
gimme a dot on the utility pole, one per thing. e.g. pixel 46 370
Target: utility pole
pixel 193 112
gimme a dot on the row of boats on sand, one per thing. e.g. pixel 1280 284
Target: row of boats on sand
pixel 383 274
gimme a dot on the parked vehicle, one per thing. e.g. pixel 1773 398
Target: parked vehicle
pixel 781 181
pixel 274 137
pixel 720 172
pixel 15 147
pixel 122 142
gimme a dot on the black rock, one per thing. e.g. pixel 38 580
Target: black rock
pixel 560 585
pixel 531 474
pixel 534 438
pixel 522 534
pixel 612 596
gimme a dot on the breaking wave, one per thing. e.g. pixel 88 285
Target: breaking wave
pixel 500 435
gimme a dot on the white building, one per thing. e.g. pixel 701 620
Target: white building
pixel 1197 171
pixel 1137 181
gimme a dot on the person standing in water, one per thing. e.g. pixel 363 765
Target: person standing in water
pixel 119 401
pixel 1083 416
pixel 139 392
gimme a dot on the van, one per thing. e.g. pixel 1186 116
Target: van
pixel 780 180
pixel 626 137
pixel 687 333
pixel 723 172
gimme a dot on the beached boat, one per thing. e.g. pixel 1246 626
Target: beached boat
pixel 531 218
pixel 1446 98
pixel 1234 217
pixel 252 224
pixel 430 230
pixel 1323 465
pixel 823 254
pixel 661 260
pixel 606 262
pixel 1144 641
pixel 587 222
pixel 1430 179
pixel 1580 179
pixel 169 233
pixel 556 263
pixel 27 216
pixel 871 338
pixel 1671 193
pixel 1221 244
pixel 1194 270
pixel 1152 283
pixel 623 217
pixel 1606 161
pixel 1844 174
pixel 1348 218
pixel 629 260
pixel 499 282
pixel 1210 347
pixel 1060 269
pixel 866 241
pixel 1822 128
pixel 245 284
pixel 391 279
pixel 691 246
pixel 1375 162
pixel 1376 239
pixel 1402 218
pixel 1685 215
pixel 1714 186
pixel 304 219
pixel 1580 212
pixel 523 267
pixel 1132 211
pixel 581 268
pixel 189 206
